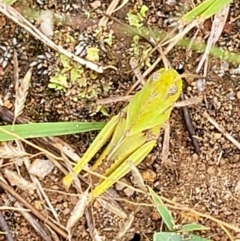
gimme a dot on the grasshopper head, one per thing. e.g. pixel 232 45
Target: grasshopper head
pixel 169 83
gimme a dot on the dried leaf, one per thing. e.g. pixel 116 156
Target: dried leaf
pixel 15 67
pixel 41 167
pixel 126 226
pixel 137 177
pixel 7 150
pixel 21 89
pixel 78 210
pixel 18 181
pixel 110 206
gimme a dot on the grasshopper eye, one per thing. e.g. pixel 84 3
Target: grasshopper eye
pixel 155 76
pixel 172 90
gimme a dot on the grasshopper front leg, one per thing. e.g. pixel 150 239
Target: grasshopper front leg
pixel 96 145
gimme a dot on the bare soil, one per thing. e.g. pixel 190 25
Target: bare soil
pixel 207 182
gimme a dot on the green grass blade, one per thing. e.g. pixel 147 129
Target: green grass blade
pixel 172 236
pixel 10 2
pixel 196 238
pixel 162 210
pixel 184 42
pixel 34 130
pixel 204 10
pixel 166 236
pixel 192 227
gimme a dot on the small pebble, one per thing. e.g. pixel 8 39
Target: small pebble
pixel 66 211
pixel 128 192
pixel 237 188
pixel 149 175
pixel 155 216
pixel 211 170
pixel 238 94
pixel 24 231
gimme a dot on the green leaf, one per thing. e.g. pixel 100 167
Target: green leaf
pixel 204 10
pixel 171 236
pixel 65 61
pixel 34 130
pixel 196 238
pixel 93 54
pixel 59 80
pixel 75 74
pixel 166 236
pixel 192 227
pixel 143 10
pixel 134 20
pixel 162 210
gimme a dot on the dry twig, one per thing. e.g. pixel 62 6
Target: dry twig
pixel 37 226
pixel 190 127
pixel 39 215
pixel 103 21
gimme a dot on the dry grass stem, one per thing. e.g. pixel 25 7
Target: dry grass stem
pixel 104 20
pixel 40 191
pixel 113 99
pixel 137 177
pixel 78 210
pixel 37 226
pixel 126 226
pixel 4 226
pixel 111 207
pixel 166 140
pixel 48 221
pixel 218 24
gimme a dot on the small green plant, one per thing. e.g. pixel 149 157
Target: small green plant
pixel 135 19
pixel 71 72
pixel 175 233
pixel 140 51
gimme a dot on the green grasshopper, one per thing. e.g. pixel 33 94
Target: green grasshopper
pixel 132 133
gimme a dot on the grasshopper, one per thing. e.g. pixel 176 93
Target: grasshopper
pixel 132 134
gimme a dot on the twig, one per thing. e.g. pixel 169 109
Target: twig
pixel 137 72
pixel 5 228
pixel 127 98
pixel 218 24
pixel 40 191
pixel 222 130
pixel 39 215
pixel 177 206
pixel 166 140
pixel 190 127
pixel 115 99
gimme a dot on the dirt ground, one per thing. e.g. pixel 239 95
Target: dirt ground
pixel 207 182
